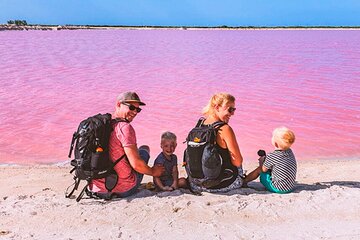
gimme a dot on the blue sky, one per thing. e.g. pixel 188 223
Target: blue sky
pixel 184 12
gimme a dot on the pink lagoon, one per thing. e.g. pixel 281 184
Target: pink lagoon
pixel 307 80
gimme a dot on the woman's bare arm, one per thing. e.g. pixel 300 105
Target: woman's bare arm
pixel 226 138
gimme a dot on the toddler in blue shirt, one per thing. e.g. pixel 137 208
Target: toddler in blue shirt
pixel 170 180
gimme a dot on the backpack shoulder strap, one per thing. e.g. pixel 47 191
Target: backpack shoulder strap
pixel 118 160
pixel 218 124
pixel 119 120
pixel 200 122
pixel 214 129
pixel 114 121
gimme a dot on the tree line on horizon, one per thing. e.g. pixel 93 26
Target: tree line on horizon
pixel 24 23
pixel 17 22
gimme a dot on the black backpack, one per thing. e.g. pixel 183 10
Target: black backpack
pixel 202 160
pixel 92 153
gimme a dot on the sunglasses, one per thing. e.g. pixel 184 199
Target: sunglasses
pixel 132 107
pixel 231 109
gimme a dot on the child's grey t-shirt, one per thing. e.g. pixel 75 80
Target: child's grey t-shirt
pixel 282 164
pixel 168 164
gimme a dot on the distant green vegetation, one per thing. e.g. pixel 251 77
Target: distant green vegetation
pixel 18 22
pixel 24 23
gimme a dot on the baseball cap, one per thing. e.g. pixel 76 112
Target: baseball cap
pixel 129 97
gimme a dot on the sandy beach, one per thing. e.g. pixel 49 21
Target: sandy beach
pixel 325 205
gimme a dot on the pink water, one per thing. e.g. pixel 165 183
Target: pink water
pixel 306 80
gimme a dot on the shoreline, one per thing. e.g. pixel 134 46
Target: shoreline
pixel 66 163
pixel 12 27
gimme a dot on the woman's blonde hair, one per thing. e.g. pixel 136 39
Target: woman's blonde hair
pixel 219 99
pixel 284 137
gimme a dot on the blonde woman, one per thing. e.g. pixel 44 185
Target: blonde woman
pixel 220 109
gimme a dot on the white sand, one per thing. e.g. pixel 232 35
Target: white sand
pixel 325 205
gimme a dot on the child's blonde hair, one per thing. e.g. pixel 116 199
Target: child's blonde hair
pixel 217 99
pixel 168 136
pixel 284 137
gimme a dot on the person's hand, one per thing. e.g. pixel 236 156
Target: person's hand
pixel 261 160
pixel 167 188
pixel 157 170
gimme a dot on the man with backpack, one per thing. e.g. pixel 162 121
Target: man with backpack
pixel 131 169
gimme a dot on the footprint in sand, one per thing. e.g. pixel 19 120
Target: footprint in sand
pixel 4 232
